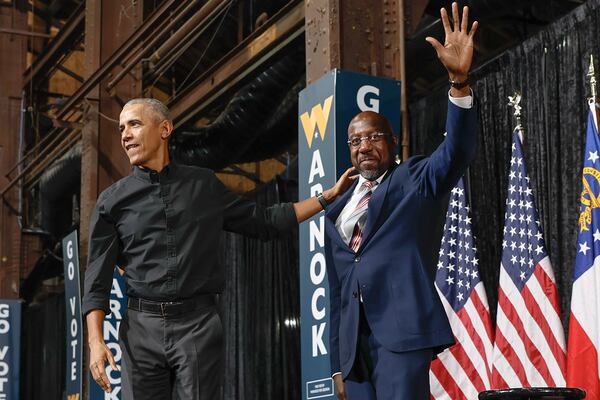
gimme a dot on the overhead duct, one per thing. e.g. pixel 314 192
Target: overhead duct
pixel 243 121
pixel 280 130
pixel 57 186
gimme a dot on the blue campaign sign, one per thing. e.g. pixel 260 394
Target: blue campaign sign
pixel 10 351
pixel 325 110
pixel 110 329
pixel 73 317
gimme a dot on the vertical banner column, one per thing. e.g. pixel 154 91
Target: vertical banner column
pixel 110 330
pixel 73 317
pixel 10 349
pixel 325 110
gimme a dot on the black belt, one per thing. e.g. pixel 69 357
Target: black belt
pixel 171 308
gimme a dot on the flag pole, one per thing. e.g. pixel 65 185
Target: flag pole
pixel 514 101
pixel 593 101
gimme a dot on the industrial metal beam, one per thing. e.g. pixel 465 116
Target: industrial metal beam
pixel 45 154
pixel 146 30
pixel 165 57
pixel 66 37
pixel 199 18
pixel 279 31
pixel 26 33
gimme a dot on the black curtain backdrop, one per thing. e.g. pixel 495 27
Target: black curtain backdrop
pixel 261 309
pixel 549 70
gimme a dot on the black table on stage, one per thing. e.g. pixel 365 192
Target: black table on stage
pixel 533 394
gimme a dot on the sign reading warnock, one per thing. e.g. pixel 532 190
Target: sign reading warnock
pixel 10 355
pixel 110 329
pixel 325 110
pixel 73 317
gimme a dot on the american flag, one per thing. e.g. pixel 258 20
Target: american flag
pixel 463 370
pixel 584 326
pixel 529 347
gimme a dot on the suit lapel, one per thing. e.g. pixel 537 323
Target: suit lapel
pixel 374 210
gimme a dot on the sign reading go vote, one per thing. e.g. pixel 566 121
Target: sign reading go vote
pixel 10 355
pixel 70 251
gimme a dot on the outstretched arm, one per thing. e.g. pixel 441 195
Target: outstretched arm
pixel 456 54
pixel 307 208
pixel 246 217
pixel 437 174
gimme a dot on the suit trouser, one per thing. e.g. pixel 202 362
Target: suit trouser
pixel 173 357
pixel 381 374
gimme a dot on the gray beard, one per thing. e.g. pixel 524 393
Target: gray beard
pixel 371 174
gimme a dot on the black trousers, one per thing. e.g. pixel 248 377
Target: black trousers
pixel 173 357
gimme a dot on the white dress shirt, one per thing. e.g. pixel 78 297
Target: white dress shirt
pixel 344 224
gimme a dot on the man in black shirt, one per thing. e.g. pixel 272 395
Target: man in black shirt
pixel 162 225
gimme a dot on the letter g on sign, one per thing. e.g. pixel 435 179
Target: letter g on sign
pixel 361 98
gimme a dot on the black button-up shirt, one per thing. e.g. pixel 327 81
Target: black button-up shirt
pixel 164 230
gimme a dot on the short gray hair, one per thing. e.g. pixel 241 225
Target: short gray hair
pixel 156 106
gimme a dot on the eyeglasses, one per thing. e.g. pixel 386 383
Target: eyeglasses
pixel 372 138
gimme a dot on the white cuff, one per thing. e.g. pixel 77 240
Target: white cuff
pixel 337 373
pixel 462 102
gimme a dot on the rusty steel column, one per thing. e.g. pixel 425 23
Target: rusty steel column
pixel 107 26
pixel 357 35
pixel 11 82
pixel 354 35
pixel 89 134
pixel 322 35
pixel 120 19
pixel 89 152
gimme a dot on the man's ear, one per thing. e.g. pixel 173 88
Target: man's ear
pixel 395 140
pixel 166 129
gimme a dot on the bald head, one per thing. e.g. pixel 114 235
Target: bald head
pixel 372 143
pixel 369 120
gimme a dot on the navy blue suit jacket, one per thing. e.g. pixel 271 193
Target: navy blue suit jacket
pixel 394 265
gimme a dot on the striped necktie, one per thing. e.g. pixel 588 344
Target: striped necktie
pixel 360 212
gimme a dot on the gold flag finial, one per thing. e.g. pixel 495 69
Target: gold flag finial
pixel 514 101
pixel 592 74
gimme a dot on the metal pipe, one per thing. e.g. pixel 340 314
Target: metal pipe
pixel 160 28
pixel 51 137
pixel 57 152
pixel 286 26
pixel 159 66
pixel 201 19
pixel 21 147
pixel 26 33
pixel 33 163
pixel 157 38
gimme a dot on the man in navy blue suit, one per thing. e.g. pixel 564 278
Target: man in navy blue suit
pixel 387 321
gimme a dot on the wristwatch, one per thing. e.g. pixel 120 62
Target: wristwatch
pixel 322 200
pixel 460 84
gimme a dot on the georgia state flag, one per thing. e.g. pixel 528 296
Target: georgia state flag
pixel 584 324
